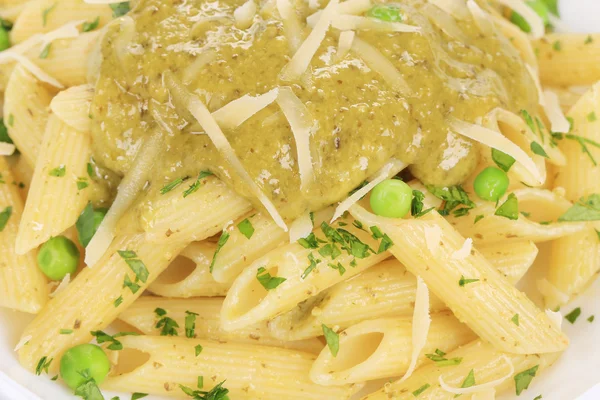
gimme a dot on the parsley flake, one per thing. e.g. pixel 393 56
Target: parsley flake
pixel 198 349
pixel 478 218
pixel 136 265
pixel 118 301
pixel 245 227
pixel 90 26
pixel 591 117
pixel 46 51
pixel 166 324
pixel 222 240
pixel 172 185
pixel 469 380
pixel 266 280
pixel 339 267
pixel 453 196
pixel 586 209
pixel 312 265
pixel 4 217
pixel 523 379
pixel 441 361
pixel 537 148
pixel 590 318
pixel 502 160
pixel 65 331
pixel 216 393
pixel 510 208
pixel 43 365
pixel 515 319
pixel 45 14
pixel 420 390
pixel 332 339
pixel 463 281
pixel 573 315
pixel 134 287
pixel 309 242
pixel 196 185
pixel 588 40
pixel 86 225
pixel 58 172
pixel 190 324
pixel 136 395
pixel 102 337
pixel 120 9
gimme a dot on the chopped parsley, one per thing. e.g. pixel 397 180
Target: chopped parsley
pixel 586 209
pixel 120 9
pixel 4 138
pixel 339 267
pixel 102 337
pixel 469 380
pixel 347 241
pixel 502 160
pixel 45 14
pixel 453 197
pixel 523 379
pixel 82 183
pixel 65 331
pixel 58 172
pixel 385 244
pixel 134 287
pixel 478 218
pixel 332 339
pixel 420 390
pixel 245 227
pixel 196 185
pixel 136 265
pixel 216 393
pixel 198 349
pixel 43 365
pixel 46 51
pixel 166 324
pixel 200 383
pixel 590 318
pixel 537 148
pixel 172 185
pixel 441 361
pixel 222 240
pixel 588 40
pixel 11 120
pixel 591 117
pixel 90 26
pixel 190 324
pixel 583 142
pixel 539 397
pixel 515 319
pixel 557 46
pixel 309 242
pixel 90 170
pixel 573 315
pixel 416 205
pixel 4 217
pixel 136 395
pixel 528 120
pixel 464 281
pixel 311 266
pixel 377 234
pixel 118 301
pixel 266 280
pixel 330 250
pixel 88 390
pixel 510 208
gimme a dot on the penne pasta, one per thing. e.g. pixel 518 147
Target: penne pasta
pixel 23 286
pixel 141 315
pixel 72 106
pixel 479 296
pixel 251 372
pixel 487 363
pixel 188 275
pixel 26 102
pixel 381 348
pixel 60 178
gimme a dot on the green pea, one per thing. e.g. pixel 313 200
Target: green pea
pixel 539 7
pixel 4 39
pixel 491 184
pixel 385 13
pixel 84 357
pixel 58 257
pixel 391 198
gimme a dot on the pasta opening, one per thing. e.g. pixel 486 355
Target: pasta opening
pixel 355 350
pixel 129 360
pixel 179 269
pixel 252 294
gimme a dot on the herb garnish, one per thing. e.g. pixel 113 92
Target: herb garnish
pixel 102 337
pixel 4 217
pixel 266 280
pixel 58 172
pixel 45 51
pixel 172 185
pixel 502 160
pixel 586 209
pixel 441 361
pixel 453 196
pixel 332 339
pixel 222 240
pixel 515 319
pixel 88 389
pixel 167 324
pixel 43 365
pixel 198 349
pixel 537 148
pixel 196 185
pixel 463 281
pixel 90 26
pixel 469 380
pixel 45 14
pixel 245 227
pixel 573 315
pixel 216 393
pixel 120 9
pixel 136 265
pixel 311 266
pixel 420 390
pixel 510 208
pixel 523 379
pixel 190 324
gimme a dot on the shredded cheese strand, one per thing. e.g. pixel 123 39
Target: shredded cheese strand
pixel 67 31
pixel 212 129
pixel 464 251
pixel 61 286
pixel 483 386
pixel 496 141
pixel 533 19
pixel 301 227
pixel 7 149
pixel 390 169
pixel 556 318
pixel 354 6
pixel 302 58
pixel 344 44
pixel 244 14
pixel 558 121
pixel 236 112
pixel 22 342
pixel 31 67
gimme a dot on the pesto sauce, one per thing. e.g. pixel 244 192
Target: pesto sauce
pixel 362 122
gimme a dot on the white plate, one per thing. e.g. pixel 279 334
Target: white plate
pixel 573 376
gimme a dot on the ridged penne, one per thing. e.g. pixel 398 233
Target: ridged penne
pixel 475 292
pixel 72 106
pixel 23 286
pixel 577 62
pixel 96 308
pixel 141 315
pixel 384 290
pixel 57 181
pixel 249 371
pixel 188 275
pixel 542 207
pixel 486 362
pixel 382 348
pixel 305 271
pixel 26 99
pixel 32 21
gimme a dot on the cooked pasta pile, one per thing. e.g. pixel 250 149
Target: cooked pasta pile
pixel 282 199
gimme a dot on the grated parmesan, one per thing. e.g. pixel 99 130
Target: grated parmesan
pixel 556 318
pixel 31 67
pixel 301 227
pixel 236 112
pixel 464 251
pixel 344 44
pixel 433 236
pixel 481 387
pixel 62 285
pixel 244 14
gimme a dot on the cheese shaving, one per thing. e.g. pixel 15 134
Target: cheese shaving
pixel 344 43
pixel 61 286
pixel 353 22
pixel 558 121
pixel 380 64
pixel 483 386
pixel 556 318
pixel 301 227
pixel 354 7
pixel 302 125
pixel 7 149
pixel 420 326
pixel 456 8
pixel 481 18
pixel 244 14
pixel 195 106
pixel 235 113
pixel 496 141
pixel 433 237
pixel 128 190
pixel 67 31
pixel 312 19
pixel 464 251
pixel 31 67
pixel 390 169
pixel 291 24
pixel 302 58
pixel 536 79
pixel 533 19
pixel 22 342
